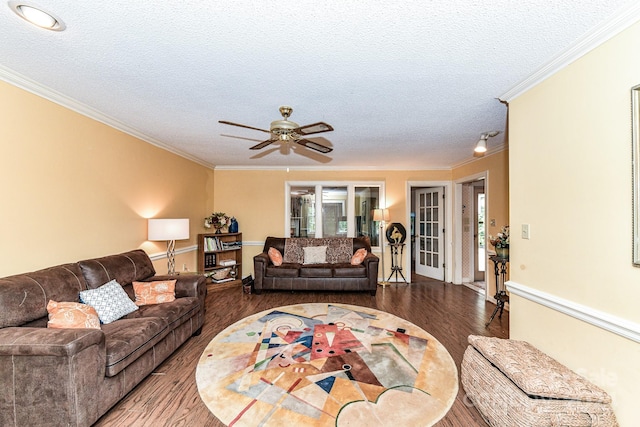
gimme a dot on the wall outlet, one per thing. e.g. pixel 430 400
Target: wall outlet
pixel 492 222
pixel 184 267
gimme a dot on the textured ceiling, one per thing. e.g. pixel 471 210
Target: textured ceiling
pixel 406 84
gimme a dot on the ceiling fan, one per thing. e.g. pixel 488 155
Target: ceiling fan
pixel 286 130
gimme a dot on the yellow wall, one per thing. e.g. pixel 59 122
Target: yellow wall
pixel 74 188
pixel 497 186
pixel 256 198
pixel 570 171
pixel 497 201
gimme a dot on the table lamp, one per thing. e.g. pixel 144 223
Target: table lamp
pixel 170 230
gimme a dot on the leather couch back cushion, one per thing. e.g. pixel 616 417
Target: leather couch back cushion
pixel 125 268
pixel 339 249
pixel 24 297
pixel 279 244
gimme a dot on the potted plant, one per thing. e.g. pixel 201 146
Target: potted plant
pixel 217 220
pixel 501 242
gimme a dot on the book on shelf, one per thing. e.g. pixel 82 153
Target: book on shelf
pixel 212 243
pixel 209 260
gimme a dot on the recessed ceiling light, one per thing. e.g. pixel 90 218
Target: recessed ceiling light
pixel 37 16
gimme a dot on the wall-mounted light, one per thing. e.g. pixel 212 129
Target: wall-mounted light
pixel 169 230
pixel 481 146
pixel 37 16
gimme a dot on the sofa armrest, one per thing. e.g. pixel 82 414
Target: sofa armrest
pixel 371 264
pixel 187 285
pixel 260 263
pixel 19 341
pixel 51 376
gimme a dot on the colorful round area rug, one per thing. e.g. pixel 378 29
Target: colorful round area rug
pixel 326 365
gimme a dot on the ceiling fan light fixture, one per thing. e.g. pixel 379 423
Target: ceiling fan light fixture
pixel 37 16
pixel 286 131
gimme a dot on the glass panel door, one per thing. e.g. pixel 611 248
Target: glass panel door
pixel 334 211
pixel 366 200
pixel 429 256
pixel 303 212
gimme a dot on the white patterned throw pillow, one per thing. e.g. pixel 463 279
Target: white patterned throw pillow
pixel 315 254
pixel 110 301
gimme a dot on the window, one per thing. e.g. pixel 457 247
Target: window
pixel 345 209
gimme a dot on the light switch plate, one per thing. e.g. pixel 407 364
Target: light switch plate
pixel 525 231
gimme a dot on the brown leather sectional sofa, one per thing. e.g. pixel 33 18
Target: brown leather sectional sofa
pixel 71 377
pixel 330 276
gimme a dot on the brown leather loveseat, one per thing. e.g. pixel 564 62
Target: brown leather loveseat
pixel 71 377
pixel 335 274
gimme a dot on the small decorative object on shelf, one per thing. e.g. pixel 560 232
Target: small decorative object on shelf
pixel 221 274
pixel 233 225
pixel 217 220
pixel 501 242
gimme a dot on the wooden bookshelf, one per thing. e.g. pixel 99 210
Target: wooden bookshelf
pixel 216 250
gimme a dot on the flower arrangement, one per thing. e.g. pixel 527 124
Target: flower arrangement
pixel 502 238
pixel 217 220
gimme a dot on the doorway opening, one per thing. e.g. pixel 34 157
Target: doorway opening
pixel 474 235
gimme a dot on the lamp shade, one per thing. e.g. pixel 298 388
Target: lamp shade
pixel 168 229
pixel 481 146
pixel 381 214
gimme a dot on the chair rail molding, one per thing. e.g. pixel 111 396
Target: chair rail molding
pixel 163 255
pixel 606 321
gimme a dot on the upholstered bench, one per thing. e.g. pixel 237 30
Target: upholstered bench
pixel 512 383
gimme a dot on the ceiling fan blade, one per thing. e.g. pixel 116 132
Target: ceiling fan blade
pixel 314 146
pixel 242 126
pixel 314 128
pixel 262 144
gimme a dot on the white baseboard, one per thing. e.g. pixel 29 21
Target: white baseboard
pixel 606 321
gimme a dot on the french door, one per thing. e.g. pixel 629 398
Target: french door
pixel 429 209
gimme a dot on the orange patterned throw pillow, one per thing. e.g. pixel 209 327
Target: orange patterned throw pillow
pixel 359 256
pixel 72 315
pixel 275 256
pixel 148 293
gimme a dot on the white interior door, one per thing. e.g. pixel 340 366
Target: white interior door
pixel 429 211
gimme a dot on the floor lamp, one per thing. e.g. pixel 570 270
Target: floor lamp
pixel 170 230
pixel 382 216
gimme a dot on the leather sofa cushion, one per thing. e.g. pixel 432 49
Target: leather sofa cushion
pixel 316 270
pixel 124 268
pixel 128 339
pixel 348 270
pixel 24 297
pixel 284 270
pixel 173 312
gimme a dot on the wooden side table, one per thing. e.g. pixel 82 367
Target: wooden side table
pixel 501 296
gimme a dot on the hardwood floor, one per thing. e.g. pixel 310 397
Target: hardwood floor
pixel 169 396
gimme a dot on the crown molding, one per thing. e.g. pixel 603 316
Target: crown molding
pixel 490 152
pixel 323 168
pixel 56 97
pixel 621 20
pixel 606 321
